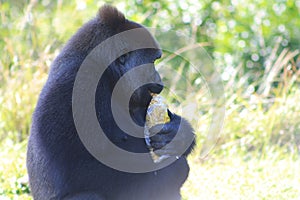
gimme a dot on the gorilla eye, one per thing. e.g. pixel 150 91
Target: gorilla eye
pixel 122 59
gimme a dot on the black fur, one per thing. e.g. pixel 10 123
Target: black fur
pixel 58 164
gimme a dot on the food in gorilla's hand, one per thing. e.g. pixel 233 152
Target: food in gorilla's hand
pixel 157 113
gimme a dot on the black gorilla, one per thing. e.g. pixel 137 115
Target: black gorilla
pixel 59 165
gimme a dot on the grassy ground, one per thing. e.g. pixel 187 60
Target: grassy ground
pixel 13 176
pixel 234 178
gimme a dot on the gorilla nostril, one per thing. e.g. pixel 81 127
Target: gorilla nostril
pixel 156 88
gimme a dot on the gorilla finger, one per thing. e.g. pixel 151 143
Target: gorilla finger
pixel 156 129
pixel 164 128
pixel 170 114
pixel 162 138
pixel 173 117
pixel 157 145
pixel 164 151
pixel 157 138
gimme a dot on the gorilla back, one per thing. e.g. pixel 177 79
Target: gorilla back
pixel 59 165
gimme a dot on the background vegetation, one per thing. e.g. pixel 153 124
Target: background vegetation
pixel 255 47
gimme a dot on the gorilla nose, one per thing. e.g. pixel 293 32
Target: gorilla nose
pixel 156 88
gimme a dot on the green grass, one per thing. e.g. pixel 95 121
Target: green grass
pixel 13 176
pixel 219 177
pixel 234 178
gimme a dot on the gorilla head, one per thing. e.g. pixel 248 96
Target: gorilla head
pixel 125 35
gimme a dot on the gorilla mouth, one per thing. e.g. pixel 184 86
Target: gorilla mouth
pixel 138 105
pixel 140 101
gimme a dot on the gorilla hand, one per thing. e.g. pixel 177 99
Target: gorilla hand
pixel 179 131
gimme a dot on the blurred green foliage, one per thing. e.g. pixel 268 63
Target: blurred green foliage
pixel 255 46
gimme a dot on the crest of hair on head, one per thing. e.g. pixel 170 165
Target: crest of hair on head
pixel 110 16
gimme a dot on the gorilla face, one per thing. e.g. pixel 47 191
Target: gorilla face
pixel 141 97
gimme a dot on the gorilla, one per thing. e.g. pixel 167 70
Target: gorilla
pixel 58 163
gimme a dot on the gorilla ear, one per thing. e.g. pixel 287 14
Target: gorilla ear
pixel 110 16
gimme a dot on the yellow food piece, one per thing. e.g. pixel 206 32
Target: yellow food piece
pixel 157 113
